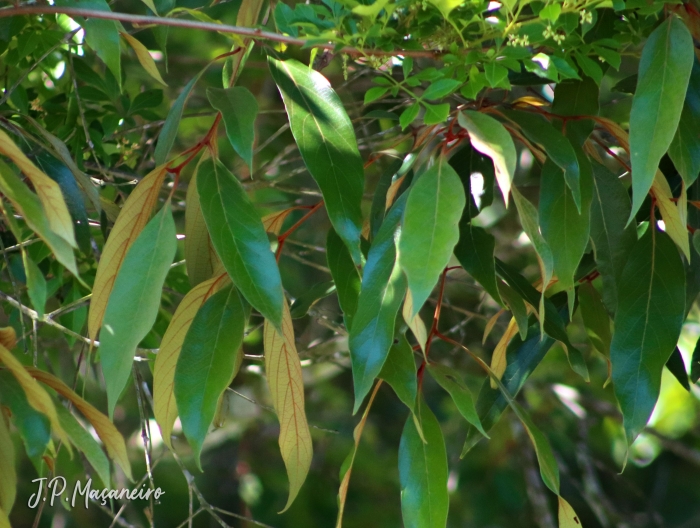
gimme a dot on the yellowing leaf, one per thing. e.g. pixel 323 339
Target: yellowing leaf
pixel 36 394
pixel 164 406
pixel 673 214
pixel 567 515
pixel 200 257
pixel 8 337
pixel 4 521
pixel 415 323
pixel 48 190
pixel 274 221
pixel 108 433
pixel 283 370
pixel 131 221
pixel 8 481
pixel 490 324
pixel 498 359
pixel 144 57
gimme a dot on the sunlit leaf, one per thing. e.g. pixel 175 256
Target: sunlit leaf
pixel 144 57
pixel 239 109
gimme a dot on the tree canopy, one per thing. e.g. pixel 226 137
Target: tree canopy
pixel 363 263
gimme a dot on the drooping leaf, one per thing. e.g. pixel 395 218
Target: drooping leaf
pixel 144 57
pixel 685 147
pixel 650 312
pixel 110 436
pixel 131 220
pixel 302 304
pixel 475 253
pixel 452 382
pixel 200 257
pixel 36 284
pixel 239 108
pixel 376 215
pixel 135 299
pixel 430 232
pixel 164 404
pixel 240 239
pixel 8 482
pixel 676 366
pixel 414 321
pixel 327 143
pixel 399 371
pixel 490 137
pixel 85 443
pixel 345 276
pixel 207 362
pixel 517 307
pixel 383 288
pixel 283 370
pixel 423 472
pixel 664 72
pixel 674 212
pixel 596 320
pixel 47 190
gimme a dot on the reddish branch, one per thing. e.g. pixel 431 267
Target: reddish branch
pixel 283 237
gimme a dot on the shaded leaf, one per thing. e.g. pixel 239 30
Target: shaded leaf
pixel 200 257
pixel 144 57
pixel 8 482
pixel 517 307
pixel 36 284
pixel 673 212
pixel 345 276
pixel 676 366
pixel 596 321
pixel 302 304
pixel 475 253
pixel 399 371
pixel 239 108
pixel 452 382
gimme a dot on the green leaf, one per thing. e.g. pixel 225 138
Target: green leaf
pixel 650 313
pixel 135 299
pixel 441 89
pixel 676 366
pixel 33 426
pixel 168 133
pixel 399 371
pixel 563 227
pixel 395 168
pixel 517 307
pixel 612 240
pixel 475 253
pixel 208 362
pixel 423 472
pixel 240 240
pixel 409 115
pixel 496 75
pixel 146 100
pixel 383 288
pixel 550 12
pixel 695 363
pixel 435 114
pixel 452 382
pixel 557 147
pixel 685 147
pixel 302 304
pixel 87 445
pixel 664 72
pixel 345 275
pixel 491 138
pixel 36 284
pixel 595 318
pixel 239 110
pixel 430 232
pixel 326 139
pixel 375 93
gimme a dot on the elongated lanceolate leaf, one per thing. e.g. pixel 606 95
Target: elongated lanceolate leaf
pixel 430 232
pixel 144 57
pixel 650 312
pixel 399 371
pixel 131 220
pixel 207 362
pixel 283 370
pixel 164 404
pixel 423 472
pixel 239 109
pixel 383 288
pixel 475 253
pixel 240 240
pixel 326 140
pixel 135 300
pixel 685 147
pixel 664 72
pixel 200 258
pixel 674 212
pixel 491 138
pixel 452 382
pixel 345 275
pixel 596 321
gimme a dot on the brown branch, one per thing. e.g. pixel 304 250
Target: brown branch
pixel 252 33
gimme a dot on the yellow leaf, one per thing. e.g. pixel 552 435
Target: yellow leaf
pixel 144 58
pixel 490 324
pixel 415 323
pixel 391 192
pixel 498 359
pixel 36 394
pixel 4 521
pixel 274 221
pixel 8 337
pixel 8 479
pixel 673 214
pixel 110 436
pixel 200 257
pixel 133 218
pixel 283 370
pixel 567 515
pixel 48 190
pixel 164 406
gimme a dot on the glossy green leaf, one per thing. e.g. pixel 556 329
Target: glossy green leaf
pixel 327 143
pixel 685 147
pixel 650 313
pixel 239 109
pixel 563 227
pixel 240 240
pixel 557 147
pixel 676 366
pixel 435 113
pixel 475 253
pixel 375 93
pixel 168 133
pixel 491 138
pixel 135 299
pixel 430 232
pixel 85 443
pixel 452 382
pixel 36 284
pixel 595 318
pixel 423 472
pixel 302 304
pixel 345 275
pixel 664 72
pixel 441 89
pixel 612 240
pixel 409 115
pixel 399 371
pixel 516 304
pixel 207 362
pixel 383 289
